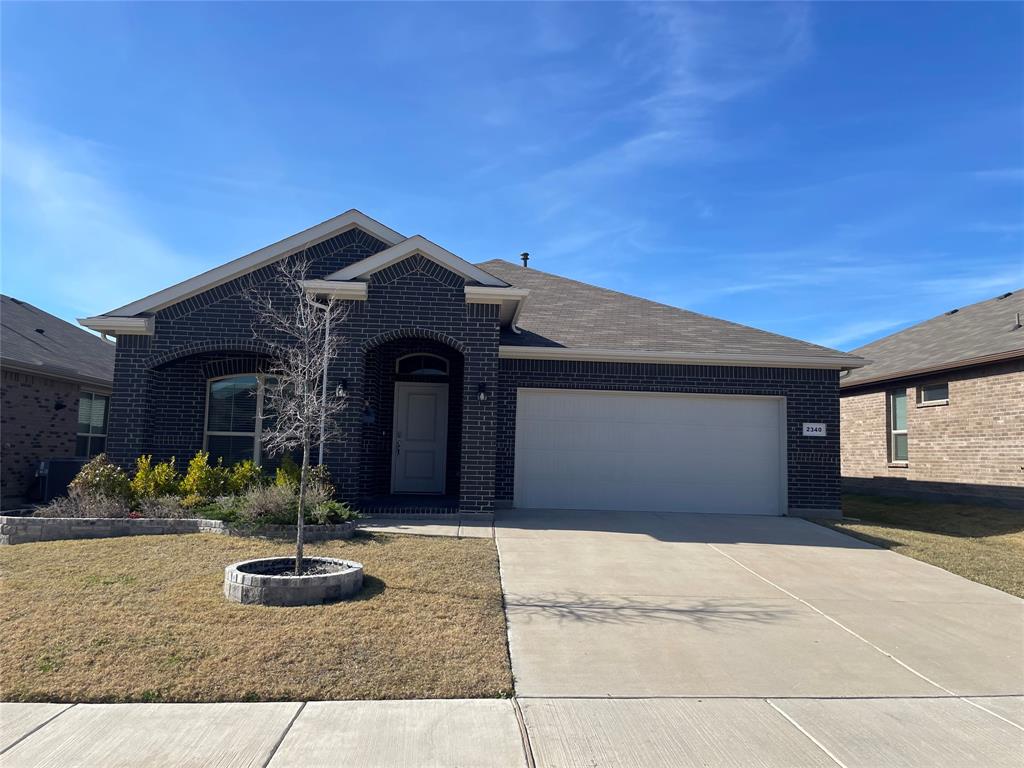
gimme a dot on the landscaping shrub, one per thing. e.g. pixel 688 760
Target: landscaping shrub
pixel 204 482
pixel 167 507
pixel 79 503
pixel 101 478
pixel 238 494
pixel 245 475
pixel 332 511
pixel 153 481
pixel 289 473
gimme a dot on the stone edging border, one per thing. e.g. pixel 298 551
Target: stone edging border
pixel 25 530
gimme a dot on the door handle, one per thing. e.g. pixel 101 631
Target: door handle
pixel 398 446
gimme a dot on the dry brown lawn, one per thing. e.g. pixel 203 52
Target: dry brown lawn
pixel 145 619
pixel 984 544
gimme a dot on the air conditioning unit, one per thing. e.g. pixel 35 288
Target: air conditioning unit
pixel 53 477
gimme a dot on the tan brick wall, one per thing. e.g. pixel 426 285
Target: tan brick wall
pixel 974 446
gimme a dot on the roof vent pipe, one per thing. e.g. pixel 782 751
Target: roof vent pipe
pixel 525 257
pixel 1016 323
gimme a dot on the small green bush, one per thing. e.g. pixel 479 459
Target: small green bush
pixel 153 481
pixel 204 482
pixel 102 479
pixel 288 473
pixel 245 475
pixel 332 511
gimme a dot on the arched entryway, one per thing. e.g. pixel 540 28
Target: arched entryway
pixel 412 423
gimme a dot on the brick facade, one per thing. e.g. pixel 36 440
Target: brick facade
pixel 970 449
pixel 38 420
pixel 416 305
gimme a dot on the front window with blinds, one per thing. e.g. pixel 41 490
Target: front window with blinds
pixel 898 426
pixel 234 407
pixel 92 425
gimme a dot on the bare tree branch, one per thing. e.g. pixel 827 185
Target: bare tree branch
pixel 296 330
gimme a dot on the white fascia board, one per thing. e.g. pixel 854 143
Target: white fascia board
pixel 335 289
pixel 679 358
pixel 332 227
pixel 119 326
pixel 485 294
pixel 361 270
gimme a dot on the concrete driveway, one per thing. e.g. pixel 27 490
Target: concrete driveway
pixel 661 639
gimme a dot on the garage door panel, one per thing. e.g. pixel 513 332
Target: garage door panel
pixel 592 450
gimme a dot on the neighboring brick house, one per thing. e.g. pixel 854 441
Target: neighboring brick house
pixel 939 410
pixel 481 385
pixel 56 381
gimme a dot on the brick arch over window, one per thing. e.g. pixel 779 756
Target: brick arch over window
pixel 244 346
pixel 413 333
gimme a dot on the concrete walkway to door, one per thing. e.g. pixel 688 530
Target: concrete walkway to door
pixel 678 640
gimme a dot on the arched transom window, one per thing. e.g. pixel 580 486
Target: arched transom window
pixel 421 364
pixel 234 418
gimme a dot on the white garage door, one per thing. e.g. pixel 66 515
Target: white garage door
pixel 579 449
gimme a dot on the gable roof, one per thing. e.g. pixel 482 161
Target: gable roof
pixel 250 262
pixel 574 320
pixel 979 333
pixel 37 342
pixel 417 244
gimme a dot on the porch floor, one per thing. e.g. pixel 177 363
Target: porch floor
pixel 409 504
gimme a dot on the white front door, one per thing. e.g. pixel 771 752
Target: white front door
pixel 420 438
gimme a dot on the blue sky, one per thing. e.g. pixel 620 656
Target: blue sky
pixel 832 172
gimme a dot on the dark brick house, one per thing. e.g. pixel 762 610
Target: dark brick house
pixel 481 385
pixel 56 382
pixel 939 412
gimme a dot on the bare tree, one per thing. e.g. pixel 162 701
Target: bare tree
pixel 296 329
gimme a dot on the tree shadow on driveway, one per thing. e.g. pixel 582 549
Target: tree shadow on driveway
pixel 702 612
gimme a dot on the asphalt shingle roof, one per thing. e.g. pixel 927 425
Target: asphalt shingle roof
pixel 980 330
pixel 60 349
pixel 560 312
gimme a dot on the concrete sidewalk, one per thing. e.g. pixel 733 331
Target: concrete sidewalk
pixel 370 734
pixel 459 526
pixel 567 732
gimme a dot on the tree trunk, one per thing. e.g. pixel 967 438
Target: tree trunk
pixel 299 532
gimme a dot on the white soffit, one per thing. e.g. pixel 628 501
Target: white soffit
pixel 120 326
pixel 351 219
pixel 839 362
pixel 336 290
pixel 510 299
pixel 413 245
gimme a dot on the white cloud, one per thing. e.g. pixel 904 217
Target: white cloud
pixel 843 335
pixel 70 234
pixel 1001 174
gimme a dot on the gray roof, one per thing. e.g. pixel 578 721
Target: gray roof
pixel 977 333
pixel 560 312
pixel 33 340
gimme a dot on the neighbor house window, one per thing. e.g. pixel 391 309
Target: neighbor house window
pixel 898 426
pixel 234 418
pixel 933 394
pixel 422 364
pixel 92 425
